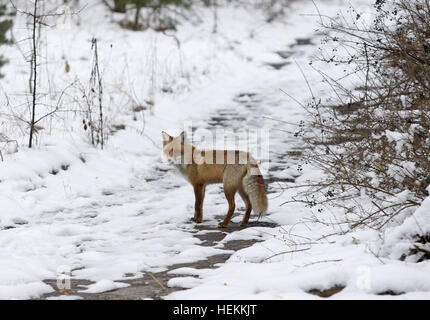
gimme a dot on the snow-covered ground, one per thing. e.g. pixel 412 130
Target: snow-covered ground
pixel 114 214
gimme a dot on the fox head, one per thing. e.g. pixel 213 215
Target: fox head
pixel 174 147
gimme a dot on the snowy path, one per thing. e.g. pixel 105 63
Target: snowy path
pixel 117 221
pixel 150 222
pixel 72 214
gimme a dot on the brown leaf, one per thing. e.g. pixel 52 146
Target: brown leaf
pixel 66 291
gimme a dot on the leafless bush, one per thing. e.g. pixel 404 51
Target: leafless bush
pixel 39 16
pixel 374 143
pixel 93 120
pixel 160 15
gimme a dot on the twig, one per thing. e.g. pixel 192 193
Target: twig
pixel 158 282
pixel 322 261
pixel 286 252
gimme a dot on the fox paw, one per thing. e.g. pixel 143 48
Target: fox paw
pixel 196 220
pixel 222 225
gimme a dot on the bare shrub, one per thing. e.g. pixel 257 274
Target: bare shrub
pixel 39 15
pixel 159 15
pixel 373 144
pixel 92 109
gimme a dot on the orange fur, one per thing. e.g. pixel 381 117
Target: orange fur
pixel 235 169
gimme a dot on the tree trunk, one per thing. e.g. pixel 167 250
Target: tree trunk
pixel 120 6
pixel 137 17
pixel 34 74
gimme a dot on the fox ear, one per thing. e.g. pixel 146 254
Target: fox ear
pixel 165 136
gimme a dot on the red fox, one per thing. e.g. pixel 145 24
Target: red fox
pixel 237 170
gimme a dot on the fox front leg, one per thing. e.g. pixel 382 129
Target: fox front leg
pixel 199 193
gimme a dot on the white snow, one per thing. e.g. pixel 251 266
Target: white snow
pixel 104 285
pixel 114 214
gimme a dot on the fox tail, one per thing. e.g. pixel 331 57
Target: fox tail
pixel 253 184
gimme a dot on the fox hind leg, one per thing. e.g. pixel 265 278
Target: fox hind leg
pixel 248 206
pixel 229 194
pixel 232 180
